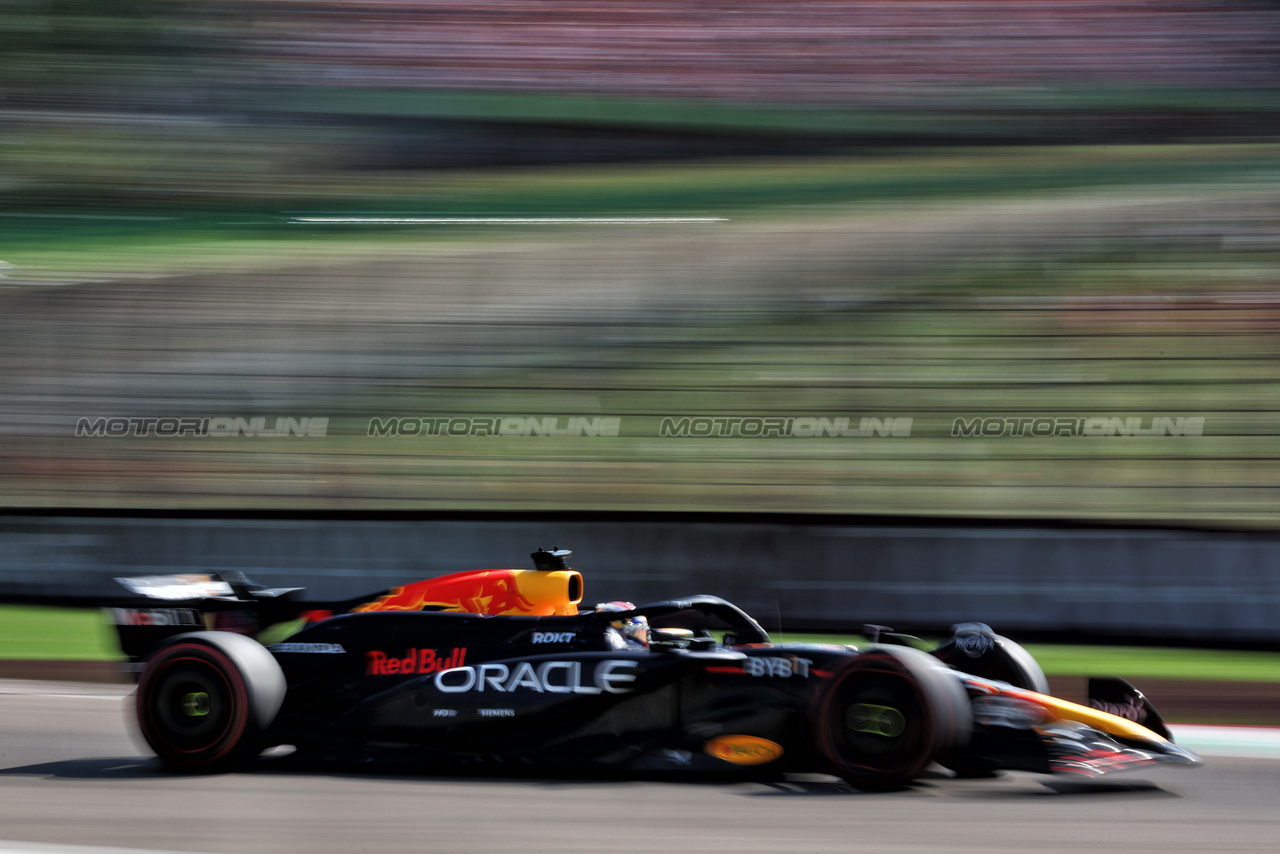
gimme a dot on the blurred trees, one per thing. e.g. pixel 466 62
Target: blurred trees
pixel 97 50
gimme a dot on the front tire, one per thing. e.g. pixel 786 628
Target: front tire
pixel 884 716
pixel 975 649
pixel 206 699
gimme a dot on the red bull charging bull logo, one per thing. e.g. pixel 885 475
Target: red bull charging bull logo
pixel 487 591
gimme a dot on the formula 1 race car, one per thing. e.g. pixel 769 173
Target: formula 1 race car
pixel 500 669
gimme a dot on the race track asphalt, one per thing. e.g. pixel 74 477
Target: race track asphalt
pixel 71 773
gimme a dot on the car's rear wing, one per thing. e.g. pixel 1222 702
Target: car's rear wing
pixel 165 605
pixel 224 585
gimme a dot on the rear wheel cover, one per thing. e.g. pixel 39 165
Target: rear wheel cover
pixel 193 706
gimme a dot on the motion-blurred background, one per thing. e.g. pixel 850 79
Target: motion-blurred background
pixel 909 209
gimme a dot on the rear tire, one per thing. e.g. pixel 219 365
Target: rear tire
pixel 206 699
pixel 884 716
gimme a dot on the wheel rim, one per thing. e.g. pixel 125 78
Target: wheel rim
pixel 877 725
pixel 870 719
pixel 192 705
pixel 192 710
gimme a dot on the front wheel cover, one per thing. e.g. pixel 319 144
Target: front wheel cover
pixel 881 719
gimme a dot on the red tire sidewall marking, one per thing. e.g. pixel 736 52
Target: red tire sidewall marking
pixel 225 668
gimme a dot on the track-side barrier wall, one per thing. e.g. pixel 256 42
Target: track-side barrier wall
pixel 797 575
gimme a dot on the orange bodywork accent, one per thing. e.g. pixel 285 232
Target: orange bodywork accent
pixel 743 749
pixel 524 592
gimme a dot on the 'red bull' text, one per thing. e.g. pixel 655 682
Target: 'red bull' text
pixel 414 661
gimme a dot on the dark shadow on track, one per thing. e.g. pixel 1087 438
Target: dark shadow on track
pixel 750 786
pixel 518 776
pixel 287 766
pixel 791 788
pixel 1136 787
pixel 1075 788
pixel 122 768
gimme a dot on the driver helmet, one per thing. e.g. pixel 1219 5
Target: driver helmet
pixel 634 629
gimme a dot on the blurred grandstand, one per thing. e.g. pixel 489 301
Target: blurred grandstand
pixel 262 89
pixel 896 53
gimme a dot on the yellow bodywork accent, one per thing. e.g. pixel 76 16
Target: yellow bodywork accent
pixel 549 590
pixel 1105 721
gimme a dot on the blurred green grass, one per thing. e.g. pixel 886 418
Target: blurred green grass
pixel 61 634
pixel 1011 111
pixel 220 232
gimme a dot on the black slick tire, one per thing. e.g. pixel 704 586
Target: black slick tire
pixel 205 700
pixel 881 718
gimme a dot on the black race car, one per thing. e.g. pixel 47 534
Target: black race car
pixel 501 669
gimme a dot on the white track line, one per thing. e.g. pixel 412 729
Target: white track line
pixel 41 688
pixel 1258 742
pixel 15 847
pixel 507 220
